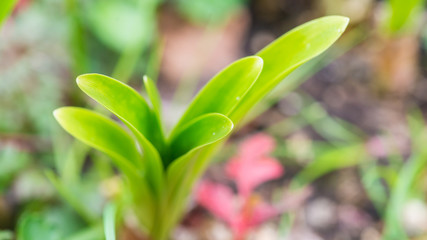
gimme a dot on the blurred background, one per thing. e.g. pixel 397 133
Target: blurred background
pixel 351 134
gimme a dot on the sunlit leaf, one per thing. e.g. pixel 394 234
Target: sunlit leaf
pixel 184 171
pixel 124 102
pixel 202 131
pixel 287 53
pixel 134 111
pixel 224 91
pixel 181 177
pixel 101 133
pixel 107 136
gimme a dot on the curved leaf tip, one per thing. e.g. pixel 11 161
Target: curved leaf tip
pixel 340 20
pixel 341 23
pixel 81 78
pixel 224 91
pixel 288 52
pixel 100 132
pixel 57 113
pixel 202 131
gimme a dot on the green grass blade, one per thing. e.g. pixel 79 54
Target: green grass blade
pixel 224 91
pixel 409 174
pixel 101 133
pixel 289 52
pixel 202 131
pixel 110 213
pixel 125 103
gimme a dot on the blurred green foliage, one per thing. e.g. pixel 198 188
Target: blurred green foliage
pixel 12 161
pixel 402 16
pixel 208 11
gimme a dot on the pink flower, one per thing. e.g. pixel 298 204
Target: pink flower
pixel 250 168
pixel 218 199
pixel 240 216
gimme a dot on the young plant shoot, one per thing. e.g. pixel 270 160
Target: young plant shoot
pixel 160 171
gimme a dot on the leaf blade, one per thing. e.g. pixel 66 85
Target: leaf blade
pixel 224 91
pixel 202 131
pixel 299 45
pixel 100 133
pixel 124 102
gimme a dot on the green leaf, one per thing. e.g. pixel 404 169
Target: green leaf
pixel 110 213
pixel 124 102
pixel 181 177
pixel 183 171
pixel 224 91
pixel 200 132
pixel 101 133
pixel 6 6
pixel 134 111
pixel 198 136
pixel 107 136
pixel 154 95
pixel 287 53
